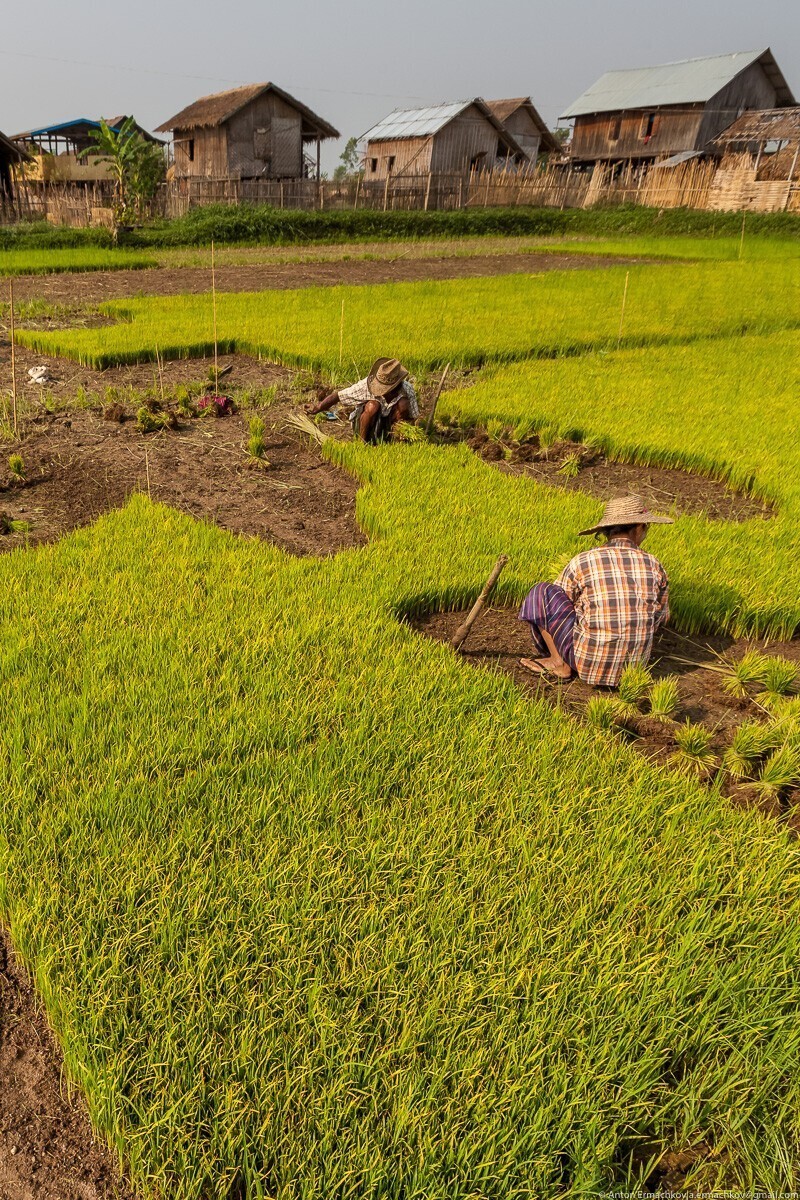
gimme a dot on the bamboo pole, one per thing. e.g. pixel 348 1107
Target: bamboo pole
pixel 622 313
pixel 341 334
pixel 741 239
pixel 13 356
pixel 462 633
pixel 432 413
pixel 214 312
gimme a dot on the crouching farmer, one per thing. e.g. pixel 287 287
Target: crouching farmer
pixel 377 403
pixel 607 604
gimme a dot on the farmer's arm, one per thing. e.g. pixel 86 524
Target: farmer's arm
pixel 324 405
pixel 662 604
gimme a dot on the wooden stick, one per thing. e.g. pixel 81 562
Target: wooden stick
pixel 461 634
pixel 341 334
pixel 622 314
pixel 741 240
pixel 214 309
pixel 432 413
pixel 13 356
pixel 160 374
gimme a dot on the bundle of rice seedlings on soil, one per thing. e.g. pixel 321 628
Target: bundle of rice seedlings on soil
pixel 780 676
pixel 780 772
pixel 17 467
pixel 255 443
pixel 571 466
pixel 602 712
pixel 664 699
pixel 495 429
pixel 751 741
pixel 694 753
pixel 634 683
pixel 742 674
pixel 299 420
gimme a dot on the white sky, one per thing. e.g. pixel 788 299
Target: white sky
pixel 353 61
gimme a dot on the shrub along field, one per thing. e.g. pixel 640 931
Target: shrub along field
pixel 319 911
pixel 467 322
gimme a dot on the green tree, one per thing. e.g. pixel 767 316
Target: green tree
pixel 137 166
pixel 349 160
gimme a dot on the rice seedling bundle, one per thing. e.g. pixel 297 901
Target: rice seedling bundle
pixel 317 908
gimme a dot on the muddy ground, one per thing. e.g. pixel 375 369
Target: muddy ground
pixel 88 287
pixel 498 640
pixel 47 1148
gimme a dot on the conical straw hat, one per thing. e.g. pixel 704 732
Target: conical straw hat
pixel 626 510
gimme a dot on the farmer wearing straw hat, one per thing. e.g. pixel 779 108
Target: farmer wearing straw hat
pixel 376 403
pixel 607 604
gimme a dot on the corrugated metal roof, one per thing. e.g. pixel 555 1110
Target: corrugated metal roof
pixel 676 160
pixel 415 122
pixel 692 81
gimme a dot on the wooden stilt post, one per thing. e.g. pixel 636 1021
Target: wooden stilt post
pixel 386 192
pixel 461 634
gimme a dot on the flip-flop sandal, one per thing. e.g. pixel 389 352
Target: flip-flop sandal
pixel 543 672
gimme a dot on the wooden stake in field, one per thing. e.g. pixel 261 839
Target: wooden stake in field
pixel 341 334
pixel 160 374
pixel 13 356
pixel 214 312
pixel 461 634
pixel 432 413
pixel 741 239
pixel 622 313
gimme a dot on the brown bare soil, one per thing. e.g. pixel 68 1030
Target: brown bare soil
pixel 90 287
pixel 498 641
pixel 47 1148
pixel 665 489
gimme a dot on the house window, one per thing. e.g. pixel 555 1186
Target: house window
pixel 373 164
pixel 614 131
pixel 190 149
pixel 648 125
pixel 390 162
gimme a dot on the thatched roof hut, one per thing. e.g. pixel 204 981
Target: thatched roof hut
pixel 520 117
pixel 252 132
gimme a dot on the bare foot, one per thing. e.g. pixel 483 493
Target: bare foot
pixel 547 666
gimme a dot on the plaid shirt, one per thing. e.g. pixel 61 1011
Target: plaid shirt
pixel 358 393
pixel 621 598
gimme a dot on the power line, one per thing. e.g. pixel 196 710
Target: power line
pixel 75 62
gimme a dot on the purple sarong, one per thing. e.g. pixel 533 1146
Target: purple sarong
pixel 547 606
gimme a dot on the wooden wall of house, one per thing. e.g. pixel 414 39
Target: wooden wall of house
pixel 469 140
pixel 200 153
pixel 524 130
pixel 265 140
pixel 624 135
pixel 749 90
pixel 405 156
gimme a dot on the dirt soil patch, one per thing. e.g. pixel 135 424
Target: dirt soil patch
pixel 92 287
pixel 498 641
pixel 665 489
pixel 47 1148
pixel 79 464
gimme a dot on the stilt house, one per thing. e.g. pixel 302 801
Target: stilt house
pixel 652 113
pixel 11 156
pixel 56 151
pixel 252 132
pixel 523 122
pixel 440 139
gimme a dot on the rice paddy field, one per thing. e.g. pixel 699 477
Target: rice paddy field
pixel 317 910
pixel 81 258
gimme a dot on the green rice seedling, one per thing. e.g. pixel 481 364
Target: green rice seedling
pixel 150 419
pixel 523 430
pixel 664 699
pixel 82 258
pixel 634 683
pixel 495 430
pixel 256 445
pixel 185 403
pixel 601 711
pixel 571 466
pixel 16 467
pixel 780 676
pixel 741 674
pixel 548 435
pixel 751 741
pixel 780 772
pixel 405 431
pixel 694 753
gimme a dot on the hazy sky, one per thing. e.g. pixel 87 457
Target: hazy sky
pixel 354 60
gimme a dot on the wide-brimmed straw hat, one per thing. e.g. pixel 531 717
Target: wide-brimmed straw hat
pixel 626 510
pixel 384 376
